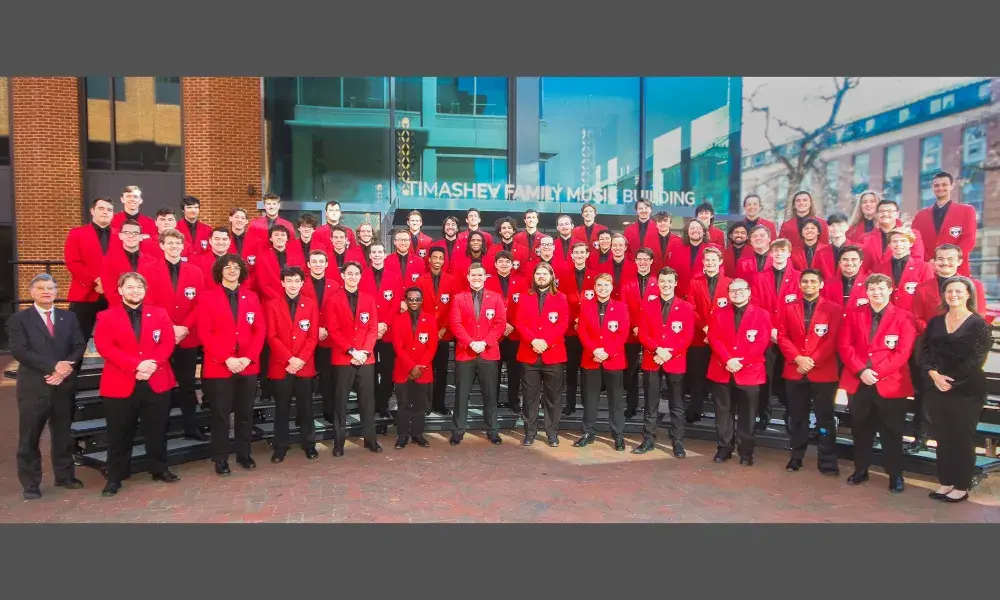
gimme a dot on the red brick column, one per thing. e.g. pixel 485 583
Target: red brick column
pixel 48 175
pixel 223 149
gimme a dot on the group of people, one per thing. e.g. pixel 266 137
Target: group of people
pixel 886 312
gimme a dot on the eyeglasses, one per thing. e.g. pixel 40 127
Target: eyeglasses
pixel 131 233
pixel 231 268
pixel 739 290
pixel 886 211
pixel 949 260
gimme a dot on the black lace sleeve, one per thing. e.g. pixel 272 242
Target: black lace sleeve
pixel 928 360
pixel 980 344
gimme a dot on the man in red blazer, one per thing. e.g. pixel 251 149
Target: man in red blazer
pixel 478 320
pixel 665 331
pixel 472 220
pixel 280 252
pixel 320 286
pixel 232 329
pixel 261 226
pixel 165 220
pixel 333 218
pixel 415 342
pixel 773 290
pixel 739 341
pixel 590 229
pixel 603 328
pixel 196 233
pixel 308 240
pixel 541 322
pixel 705 213
pixel 440 289
pixel 808 255
pixel 752 218
pixel 577 283
pixel 131 201
pixel 642 233
pixel 449 241
pixel 420 242
pixel 905 271
pixel 85 251
pixel 385 286
pixel 472 251
pixel 687 260
pixel 177 287
pixel 531 237
pixel 292 334
pixel 546 254
pixel 241 241
pixel 807 337
pixel 865 216
pixel 601 254
pixel 127 256
pixel 875 345
pixel 218 246
pixel 946 222
pixel 408 266
pixel 706 293
pixel 847 290
pixel 876 243
pixel 828 256
pixel 507 228
pixel 620 267
pixel 342 251
pixel 511 286
pixel 758 258
pixel 135 340
pixel 803 207
pixel 564 240
pixel 634 293
pixel 352 322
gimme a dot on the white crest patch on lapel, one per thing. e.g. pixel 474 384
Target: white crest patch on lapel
pixel 156 336
pixel 553 317
pixel 891 341
pixel 651 297
pixel 862 301
pixel 251 259
pixel 387 294
pixel 751 335
pixel 821 329
pixel 184 259
pixel 422 253
pixel 676 326
pixel 304 324
pixel 612 326
pixel 422 338
pixel 414 277
pixel 955 232
pixel 204 244
pixel 250 317
pixel 722 302
pixel 516 297
pixel 589 294
pixel 189 293
pixel 364 317
pixel 911 287
pixel 597 245
pixel 445 298
pixel 517 265
pixel 789 298
pixel 490 313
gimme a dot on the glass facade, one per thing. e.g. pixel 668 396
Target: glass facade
pixel 4 123
pixel 453 142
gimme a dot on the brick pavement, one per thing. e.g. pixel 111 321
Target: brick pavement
pixel 479 482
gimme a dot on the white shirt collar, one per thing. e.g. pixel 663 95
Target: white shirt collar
pixel 42 311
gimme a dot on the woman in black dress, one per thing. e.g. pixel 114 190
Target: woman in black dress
pixel 955 349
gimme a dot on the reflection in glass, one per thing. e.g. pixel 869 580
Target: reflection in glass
pixel 860 172
pixel 147 132
pixel 4 122
pixel 893 186
pixel 98 94
pixel 930 163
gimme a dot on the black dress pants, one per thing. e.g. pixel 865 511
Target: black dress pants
pixel 698 358
pixel 361 379
pixel 611 379
pixel 465 373
pixel 802 395
pixel 734 401
pixel 775 384
pixel 542 386
pixel 921 411
pixel 574 354
pixel 123 416
pixel 631 377
pixel 302 389
pixel 441 374
pixel 413 399
pixel 870 412
pixel 508 359
pixel 955 419
pixel 231 395
pixel 86 314
pixel 54 406
pixel 324 381
pixel 184 362
pixel 651 386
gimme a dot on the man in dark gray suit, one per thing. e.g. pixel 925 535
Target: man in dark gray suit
pixel 48 342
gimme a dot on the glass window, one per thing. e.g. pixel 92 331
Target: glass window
pixel 973 190
pixel 4 122
pixel 974 145
pixel 904 115
pixel 472 96
pixel 869 125
pixel 948 102
pixel 935 106
pixel 832 181
pixel 930 163
pixel 860 172
pixel 146 119
pixel 893 176
pixel 984 91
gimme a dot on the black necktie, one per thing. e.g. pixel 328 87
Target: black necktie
pixel 133 259
pixel 352 299
pixel 135 317
pixel 477 302
pixel 738 311
pixel 504 284
pixel 602 308
pixel 319 286
pixel 292 305
pixel 234 302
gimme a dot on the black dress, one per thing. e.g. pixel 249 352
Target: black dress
pixel 955 413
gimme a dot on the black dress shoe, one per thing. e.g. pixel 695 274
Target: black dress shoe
pixel 794 465
pixel 278 457
pixel 746 461
pixel 428 412
pixel 311 453
pixel 896 484
pixel 679 449
pixel 338 450
pixel 568 411
pixel 32 494
pixel 644 447
pixel 494 438
pixel 630 413
pixel 554 442
pixel 196 435
pixel 937 496
pixel 110 489
pixel 247 463
pixel 455 440
pixel 761 426
pixel 833 471
pixel 722 456
pixel 166 476
pixel 382 429
pixel 528 441
pixel 373 447
pixel 385 414
pixel 443 412
pixel 421 441
pixel 620 444
pixel 400 443
pixel 959 499
pixel 858 478
pixel 70 484
pixel 222 468
pixel 515 408
pixel 584 440
pixel 915 446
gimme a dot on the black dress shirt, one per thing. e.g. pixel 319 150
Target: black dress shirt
pixel 135 317
pixel 103 236
pixel 175 272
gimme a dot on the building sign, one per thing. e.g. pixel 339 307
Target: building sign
pixel 541 193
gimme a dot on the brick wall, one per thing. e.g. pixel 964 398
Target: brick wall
pixel 222 143
pixel 48 177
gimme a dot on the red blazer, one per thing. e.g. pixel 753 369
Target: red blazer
pixel 202 235
pixel 516 289
pixel 594 260
pixel 631 234
pixel 326 232
pixel 460 268
pixel 575 297
pixel 818 343
pixel 287 339
pixel 181 303
pixel 489 327
pixel 351 254
pixel 521 237
pixel 746 266
pixel 729 259
pixel 146 224
pixel 717 237
pixel 856 233
pixel 763 294
pixel 84 261
pixel 611 335
pixel 223 337
pixel 205 262
pixel 629 271
pixel 151 246
pixel 790 231
pixel 833 290
pixel 122 354
pixel 350 330
pixel 799 258
pixel 116 263
pixel 761 221
pixel 675 334
pixel 635 299
pixel 316 242
pixel 749 344
pixel 250 248
pixel 564 260
pixel 438 303
pixel 388 296
pixel 267 273
pixel 958 227
pixel 415 267
pixel 519 252
pixel 685 270
pixel 580 233
pixel 872 246
pixel 260 229
pixel 414 349
pixel 927 302
pixel 331 285
pixel 915 273
pixel 704 305
pixel 423 245
pixel 889 351
pixel 549 324
pixel 824 261
pixel 463 237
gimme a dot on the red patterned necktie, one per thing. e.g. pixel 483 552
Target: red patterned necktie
pixel 49 323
